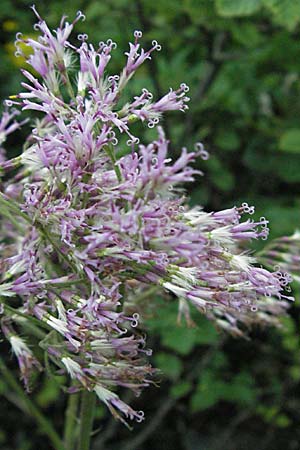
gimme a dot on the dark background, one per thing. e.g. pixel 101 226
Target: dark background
pixel 241 59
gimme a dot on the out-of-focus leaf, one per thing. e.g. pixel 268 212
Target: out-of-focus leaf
pixel 225 182
pixel 170 365
pixel 199 10
pixel 267 412
pixel 180 339
pixel 236 8
pixel 211 389
pixel 206 333
pixel 49 392
pixel 240 390
pixel 203 400
pixel 227 140
pixel 290 141
pixel 295 373
pixel 247 34
pixel 286 12
pixel 283 421
pixel 180 389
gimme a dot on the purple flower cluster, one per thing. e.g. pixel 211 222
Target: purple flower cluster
pixel 85 233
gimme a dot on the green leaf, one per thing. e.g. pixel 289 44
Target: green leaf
pixel 291 343
pixel 283 421
pixel 180 339
pixel 290 141
pixel 203 400
pixel 246 34
pixel 240 390
pixel 285 12
pixel 170 365
pixel 294 372
pixel 227 140
pixel 206 333
pixel 236 8
pixel 199 10
pixel 267 412
pixel 224 182
pixel 180 389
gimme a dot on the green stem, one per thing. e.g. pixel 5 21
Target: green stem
pixel 13 208
pixel 110 152
pixel 12 220
pixel 10 210
pixel 87 410
pixel 43 423
pixel 38 323
pixel 70 421
pixel 48 237
pixel 68 84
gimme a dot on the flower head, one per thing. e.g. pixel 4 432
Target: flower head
pixel 92 230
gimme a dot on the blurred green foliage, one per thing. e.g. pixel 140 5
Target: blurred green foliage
pixel 241 59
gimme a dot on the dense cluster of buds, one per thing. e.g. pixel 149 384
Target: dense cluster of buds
pixel 84 232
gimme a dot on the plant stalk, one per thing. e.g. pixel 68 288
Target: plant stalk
pixel 87 412
pixel 70 421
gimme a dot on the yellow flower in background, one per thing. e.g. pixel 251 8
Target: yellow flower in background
pixel 9 25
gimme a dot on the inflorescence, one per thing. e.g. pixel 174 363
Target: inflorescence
pixel 84 233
